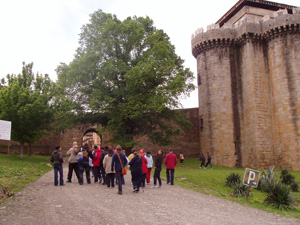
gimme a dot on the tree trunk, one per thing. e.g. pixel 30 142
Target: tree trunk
pixel 21 150
pixel 29 150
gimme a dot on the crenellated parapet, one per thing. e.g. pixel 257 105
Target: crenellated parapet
pixel 254 29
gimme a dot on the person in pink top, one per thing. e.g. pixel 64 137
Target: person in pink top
pixel 170 162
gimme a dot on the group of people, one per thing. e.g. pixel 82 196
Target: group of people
pixel 202 159
pixel 107 165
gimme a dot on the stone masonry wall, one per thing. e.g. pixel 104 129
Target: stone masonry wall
pixel 260 59
pixel 285 72
pixel 215 110
pixel 187 143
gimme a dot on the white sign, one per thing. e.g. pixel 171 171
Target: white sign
pixel 251 177
pixel 5 130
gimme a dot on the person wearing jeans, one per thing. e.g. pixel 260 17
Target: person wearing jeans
pixel 170 162
pixel 116 165
pixel 57 160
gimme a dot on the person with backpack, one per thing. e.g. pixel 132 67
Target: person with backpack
pixel 96 164
pixel 119 161
pixel 57 160
pixel 83 160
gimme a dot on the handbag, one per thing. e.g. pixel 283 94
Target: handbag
pixel 124 170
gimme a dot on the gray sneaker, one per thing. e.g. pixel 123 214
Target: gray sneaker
pixel 154 186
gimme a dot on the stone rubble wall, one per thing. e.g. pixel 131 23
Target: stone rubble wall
pixel 249 96
pixel 187 143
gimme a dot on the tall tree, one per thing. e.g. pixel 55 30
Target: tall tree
pixel 26 101
pixel 129 71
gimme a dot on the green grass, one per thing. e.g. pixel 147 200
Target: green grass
pixel 212 181
pixel 16 174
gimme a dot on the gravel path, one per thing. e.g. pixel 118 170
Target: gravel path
pixel 43 203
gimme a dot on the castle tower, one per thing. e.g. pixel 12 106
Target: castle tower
pixel 249 86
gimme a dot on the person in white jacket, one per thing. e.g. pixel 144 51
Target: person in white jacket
pixel 149 166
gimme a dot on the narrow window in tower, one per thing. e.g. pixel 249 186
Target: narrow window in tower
pixel 199 79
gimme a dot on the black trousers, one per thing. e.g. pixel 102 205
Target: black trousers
pixel 136 179
pixel 144 179
pixel 110 179
pixel 157 175
pixel 102 171
pixel 73 166
pixel 97 175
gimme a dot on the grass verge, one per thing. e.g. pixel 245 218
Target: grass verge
pixel 212 181
pixel 16 174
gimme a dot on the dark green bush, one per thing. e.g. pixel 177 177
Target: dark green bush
pixel 286 177
pixel 239 190
pixel 289 179
pixel 294 187
pixel 232 179
pixel 279 195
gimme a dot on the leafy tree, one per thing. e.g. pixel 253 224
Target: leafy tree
pixel 26 101
pixel 128 71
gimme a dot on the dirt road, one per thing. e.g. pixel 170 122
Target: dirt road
pixel 43 203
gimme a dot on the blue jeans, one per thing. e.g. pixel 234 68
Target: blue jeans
pixel 172 176
pixel 84 167
pixel 58 168
pixel 119 180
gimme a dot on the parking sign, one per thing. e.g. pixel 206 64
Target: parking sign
pixel 251 177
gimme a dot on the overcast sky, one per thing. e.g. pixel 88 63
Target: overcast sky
pixel 45 32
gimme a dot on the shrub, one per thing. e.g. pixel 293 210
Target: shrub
pixel 266 177
pixel 294 187
pixel 289 179
pixel 286 177
pixel 232 179
pixel 279 195
pixel 239 190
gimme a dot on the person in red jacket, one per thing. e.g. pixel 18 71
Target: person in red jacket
pixel 170 162
pixel 96 164
pixel 144 166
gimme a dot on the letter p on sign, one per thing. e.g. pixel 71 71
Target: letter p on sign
pixel 251 177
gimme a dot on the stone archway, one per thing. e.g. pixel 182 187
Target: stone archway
pixel 78 133
pixel 92 138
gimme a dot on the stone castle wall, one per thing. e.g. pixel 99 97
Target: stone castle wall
pixel 249 91
pixel 186 143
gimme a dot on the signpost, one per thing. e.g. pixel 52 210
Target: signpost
pixel 5 131
pixel 251 179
